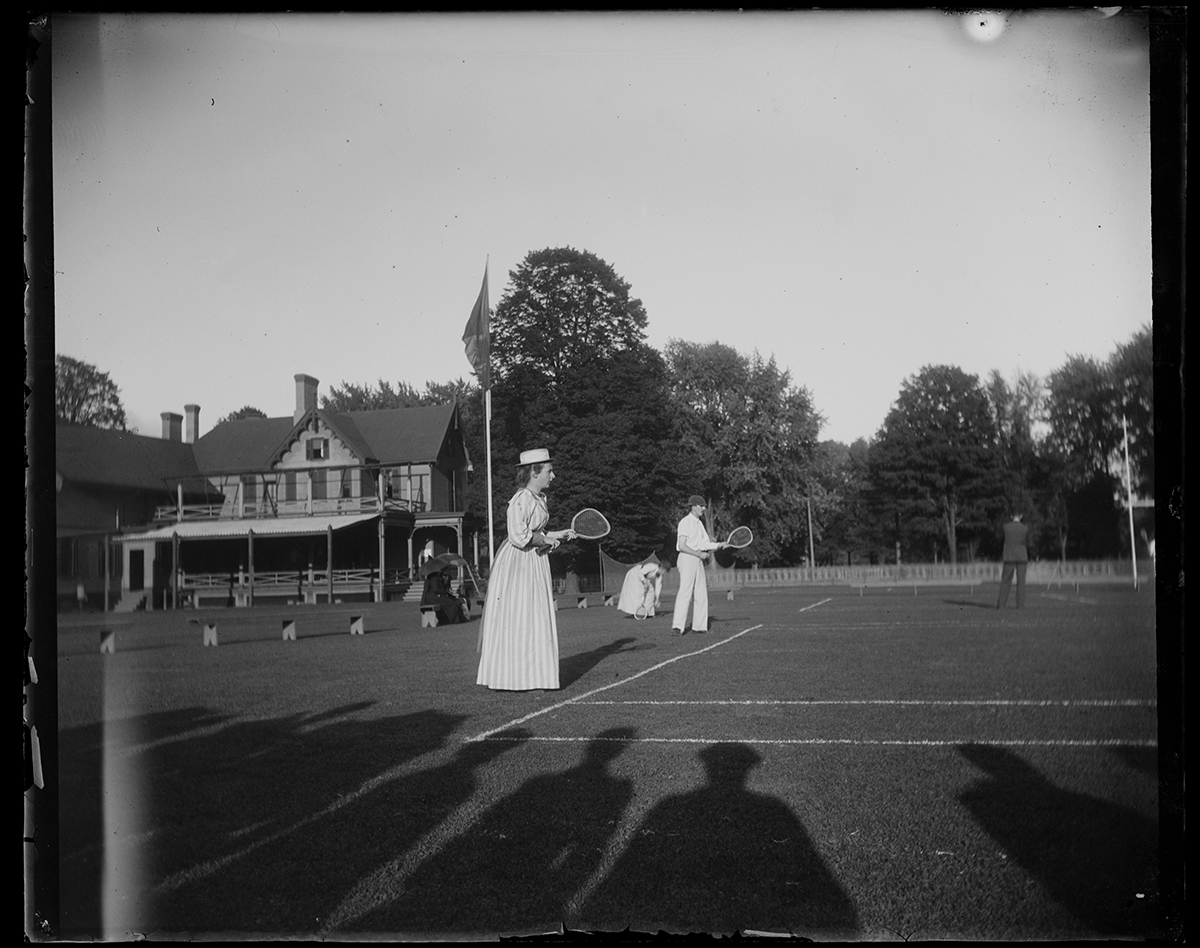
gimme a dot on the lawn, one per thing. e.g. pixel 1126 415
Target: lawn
pixel 836 763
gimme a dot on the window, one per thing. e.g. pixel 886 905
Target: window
pixel 289 485
pixel 249 488
pixel 317 449
pixel 319 484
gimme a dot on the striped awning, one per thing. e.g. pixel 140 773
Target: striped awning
pixel 267 527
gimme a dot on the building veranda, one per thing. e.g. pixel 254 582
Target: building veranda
pixel 317 507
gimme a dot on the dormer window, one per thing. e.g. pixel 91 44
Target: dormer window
pixel 317 449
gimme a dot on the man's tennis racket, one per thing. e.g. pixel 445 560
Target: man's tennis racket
pixel 740 538
pixel 588 524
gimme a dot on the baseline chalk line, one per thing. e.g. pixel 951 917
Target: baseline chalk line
pixel 595 691
pixel 843 741
pixel 886 702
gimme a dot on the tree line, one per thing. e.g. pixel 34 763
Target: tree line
pixel 633 431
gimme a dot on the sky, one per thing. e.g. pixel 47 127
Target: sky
pixel 857 194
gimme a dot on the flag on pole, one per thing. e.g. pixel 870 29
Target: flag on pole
pixel 475 336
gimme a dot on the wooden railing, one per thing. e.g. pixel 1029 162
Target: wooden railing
pixel 317 578
pixel 260 510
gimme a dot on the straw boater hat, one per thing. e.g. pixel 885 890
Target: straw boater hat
pixel 535 456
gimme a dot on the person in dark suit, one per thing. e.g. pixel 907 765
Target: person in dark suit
pixel 1016 559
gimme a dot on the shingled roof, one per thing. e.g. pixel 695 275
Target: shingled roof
pixel 120 458
pixel 394 435
pixel 102 456
pixel 247 444
pixel 388 436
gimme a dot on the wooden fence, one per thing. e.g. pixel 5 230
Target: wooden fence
pixel 1044 572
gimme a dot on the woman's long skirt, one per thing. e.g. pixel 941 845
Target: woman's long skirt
pixel 518 631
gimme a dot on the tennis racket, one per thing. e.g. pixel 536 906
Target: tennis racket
pixel 588 524
pixel 740 538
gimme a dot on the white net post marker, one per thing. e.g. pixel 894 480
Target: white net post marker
pixel 108 641
pixel 356 625
pixel 210 633
pixel 289 630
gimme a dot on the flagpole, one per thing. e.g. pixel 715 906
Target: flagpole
pixel 487 410
pixel 476 337
pixel 487 421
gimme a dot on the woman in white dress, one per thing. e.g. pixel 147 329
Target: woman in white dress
pixel 640 591
pixel 518 633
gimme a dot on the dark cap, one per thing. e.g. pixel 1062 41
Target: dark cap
pixel 696 501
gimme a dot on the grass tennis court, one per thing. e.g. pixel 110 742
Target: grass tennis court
pixel 826 761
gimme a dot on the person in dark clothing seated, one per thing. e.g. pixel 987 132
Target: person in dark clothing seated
pixel 438 592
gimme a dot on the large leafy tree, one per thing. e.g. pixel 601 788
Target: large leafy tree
pixel 1131 371
pixel 841 516
pixel 1089 405
pixel 1081 408
pixel 753 436
pixel 934 464
pixel 350 396
pixel 563 307
pixel 1018 409
pixel 610 439
pixel 572 372
pixel 1080 450
pixel 83 395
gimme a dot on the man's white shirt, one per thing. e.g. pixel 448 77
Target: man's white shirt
pixel 691 531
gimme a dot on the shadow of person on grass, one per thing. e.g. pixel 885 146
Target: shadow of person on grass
pixel 574 667
pixel 973 603
pixel 347 862
pixel 517 868
pixel 721 859
pixel 1096 859
pixel 81 809
pixel 222 806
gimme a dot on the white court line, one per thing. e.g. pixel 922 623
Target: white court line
pixel 595 691
pixel 983 703
pixel 825 741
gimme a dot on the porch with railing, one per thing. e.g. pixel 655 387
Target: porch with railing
pixel 271 509
pixel 308 586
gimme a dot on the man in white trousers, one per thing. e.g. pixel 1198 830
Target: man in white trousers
pixel 694 546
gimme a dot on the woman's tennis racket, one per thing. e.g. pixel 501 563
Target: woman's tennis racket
pixel 588 524
pixel 740 538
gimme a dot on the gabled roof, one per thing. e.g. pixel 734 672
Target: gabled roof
pixel 398 435
pixel 248 444
pixel 110 458
pixel 344 427
pixel 387 436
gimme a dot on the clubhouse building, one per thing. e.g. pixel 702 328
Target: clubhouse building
pixel 317 507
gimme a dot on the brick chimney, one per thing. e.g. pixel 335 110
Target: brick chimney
pixel 306 396
pixel 172 425
pixel 191 426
